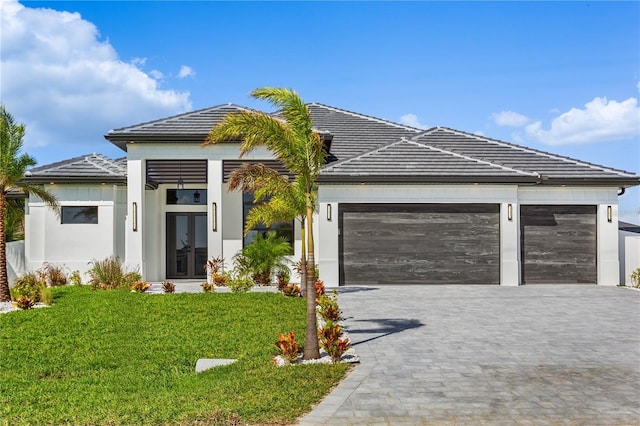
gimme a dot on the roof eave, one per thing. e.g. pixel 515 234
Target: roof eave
pixel 395 179
pixel 42 180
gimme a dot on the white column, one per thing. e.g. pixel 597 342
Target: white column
pixel 509 244
pixel 326 244
pixel 214 208
pixel 134 239
pixel 608 262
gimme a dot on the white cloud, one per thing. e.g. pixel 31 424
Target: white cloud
pixel 509 119
pixel 600 120
pixel 412 120
pixel 186 71
pixel 68 86
pixel 156 74
pixel 479 133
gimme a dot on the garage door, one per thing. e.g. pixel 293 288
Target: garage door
pixel 558 244
pixel 419 244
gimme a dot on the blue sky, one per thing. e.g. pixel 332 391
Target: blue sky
pixel 563 77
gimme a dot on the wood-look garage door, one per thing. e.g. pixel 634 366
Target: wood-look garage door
pixel 558 244
pixel 419 244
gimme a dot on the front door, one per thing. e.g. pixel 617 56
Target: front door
pixel 186 245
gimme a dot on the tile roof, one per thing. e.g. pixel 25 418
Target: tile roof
pixel 86 168
pixel 354 133
pixel 446 155
pixel 188 127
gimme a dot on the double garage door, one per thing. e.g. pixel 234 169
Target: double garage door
pixel 460 244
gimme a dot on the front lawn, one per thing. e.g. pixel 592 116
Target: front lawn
pixel 114 357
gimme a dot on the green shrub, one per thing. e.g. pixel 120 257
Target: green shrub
pixel 110 273
pixel 262 258
pixel 635 278
pixel 52 275
pixel 75 278
pixel 25 302
pixel 29 285
pixel 46 296
pixel 240 284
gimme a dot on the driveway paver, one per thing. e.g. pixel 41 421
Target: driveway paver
pixel 470 355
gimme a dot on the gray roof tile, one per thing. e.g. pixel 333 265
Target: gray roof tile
pixel 91 167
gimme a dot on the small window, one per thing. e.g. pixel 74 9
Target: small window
pixel 283 229
pixel 79 214
pixel 196 197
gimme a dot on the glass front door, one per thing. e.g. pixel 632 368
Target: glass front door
pixel 186 245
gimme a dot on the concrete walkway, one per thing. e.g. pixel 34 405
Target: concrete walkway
pixel 471 355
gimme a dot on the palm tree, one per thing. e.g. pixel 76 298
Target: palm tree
pixel 300 149
pixel 12 168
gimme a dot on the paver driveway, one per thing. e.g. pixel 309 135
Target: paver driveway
pixel 489 355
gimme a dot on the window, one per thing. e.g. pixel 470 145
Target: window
pixel 196 197
pixel 79 214
pixel 284 229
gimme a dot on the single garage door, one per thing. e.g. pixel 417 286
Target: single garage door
pixel 419 244
pixel 558 244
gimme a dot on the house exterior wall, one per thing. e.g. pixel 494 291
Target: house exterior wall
pixel 510 275
pixel 74 245
pixel 146 247
pixel 629 246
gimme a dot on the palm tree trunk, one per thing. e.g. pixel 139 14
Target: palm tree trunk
pixel 311 349
pixel 5 295
pixel 303 259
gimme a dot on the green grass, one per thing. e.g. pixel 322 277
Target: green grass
pixel 114 357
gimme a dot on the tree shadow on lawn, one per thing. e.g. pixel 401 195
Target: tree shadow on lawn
pixel 386 326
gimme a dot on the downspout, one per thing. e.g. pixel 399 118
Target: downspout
pixel 621 191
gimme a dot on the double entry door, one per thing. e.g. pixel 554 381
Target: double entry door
pixel 186 245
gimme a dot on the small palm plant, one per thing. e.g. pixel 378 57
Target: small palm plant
pixel 264 257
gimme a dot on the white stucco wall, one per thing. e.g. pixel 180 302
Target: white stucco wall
pixel 629 246
pixel 74 245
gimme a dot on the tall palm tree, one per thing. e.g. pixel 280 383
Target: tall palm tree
pixel 12 168
pixel 300 149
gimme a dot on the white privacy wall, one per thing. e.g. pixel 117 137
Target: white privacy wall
pixel 75 245
pixel 607 261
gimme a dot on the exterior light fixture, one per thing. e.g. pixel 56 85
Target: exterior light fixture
pixel 196 197
pixel 510 211
pixel 214 217
pixel 329 212
pixel 134 215
pixel 609 214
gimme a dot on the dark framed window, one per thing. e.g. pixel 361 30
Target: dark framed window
pixel 284 229
pixel 79 214
pixel 196 197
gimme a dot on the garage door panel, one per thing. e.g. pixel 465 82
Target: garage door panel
pixel 419 244
pixel 558 244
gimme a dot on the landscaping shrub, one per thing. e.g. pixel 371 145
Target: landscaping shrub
pixel 328 307
pixel 240 284
pixel 320 289
pixel 635 278
pixel 52 275
pixel 291 290
pixel 25 302
pixel 283 279
pixel 208 287
pixel 75 278
pixel 46 296
pixel 262 258
pixel 29 285
pixel 168 287
pixel 110 273
pixel 140 286
pixel 215 269
pixel 288 346
pixel 330 336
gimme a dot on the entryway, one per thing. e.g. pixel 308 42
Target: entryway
pixel 186 245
